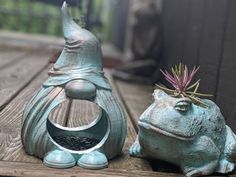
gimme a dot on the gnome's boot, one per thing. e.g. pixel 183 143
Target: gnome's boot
pixel 59 159
pixel 93 160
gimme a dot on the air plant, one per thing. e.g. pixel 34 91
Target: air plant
pixel 181 79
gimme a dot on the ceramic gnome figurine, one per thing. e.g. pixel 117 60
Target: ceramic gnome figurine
pixel 77 74
pixel 182 129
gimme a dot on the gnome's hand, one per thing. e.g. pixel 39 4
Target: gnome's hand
pixel 80 89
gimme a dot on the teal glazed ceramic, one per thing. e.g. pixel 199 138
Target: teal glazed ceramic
pixel 192 137
pixel 77 74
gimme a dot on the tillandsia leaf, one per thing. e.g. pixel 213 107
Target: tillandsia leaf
pixel 185 77
pixel 198 101
pixel 180 68
pixel 195 89
pixel 192 74
pixel 170 91
pixel 180 78
pixel 193 85
pixel 170 79
pixel 162 87
pixel 194 71
pixel 200 94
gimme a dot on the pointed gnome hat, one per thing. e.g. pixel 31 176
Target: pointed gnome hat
pixel 82 48
pixel 81 57
pixel 72 31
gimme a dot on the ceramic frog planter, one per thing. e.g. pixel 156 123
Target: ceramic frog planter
pixel 191 136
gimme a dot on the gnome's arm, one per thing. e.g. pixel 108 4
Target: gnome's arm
pixel 80 89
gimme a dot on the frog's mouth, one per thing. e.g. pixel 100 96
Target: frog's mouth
pixel 172 134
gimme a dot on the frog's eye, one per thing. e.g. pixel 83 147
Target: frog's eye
pixel 183 105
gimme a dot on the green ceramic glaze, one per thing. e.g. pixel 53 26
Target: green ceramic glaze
pixel 192 137
pixel 77 74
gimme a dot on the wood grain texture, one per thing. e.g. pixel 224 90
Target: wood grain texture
pixel 136 98
pixel 125 161
pixel 39 170
pixel 10 122
pixel 8 57
pixel 60 114
pixel 81 113
pixel 17 75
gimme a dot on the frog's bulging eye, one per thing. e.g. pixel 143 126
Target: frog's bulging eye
pixel 183 105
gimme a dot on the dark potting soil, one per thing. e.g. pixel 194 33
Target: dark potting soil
pixel 75 143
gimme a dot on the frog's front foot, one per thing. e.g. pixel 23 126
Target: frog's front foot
pixel 136 149
pixel 204 158
pixel 59 159
pixel 203 170
pixel 225 166
pixel 93 160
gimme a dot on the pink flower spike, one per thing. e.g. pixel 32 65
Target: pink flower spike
pixel 181 77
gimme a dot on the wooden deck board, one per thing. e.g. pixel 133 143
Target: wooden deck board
pixel 135 97
pixel 82 113
pixel 10 123
pixel 125 161
pixel 59 114
pixel 38 170
pixel 17 75
pixel 8 57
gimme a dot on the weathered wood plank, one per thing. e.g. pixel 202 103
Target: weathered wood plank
pixel 10 122
pixel 135 97
pixel 60 114
pixel 125 161
pixel 82 113
pixel 7 57
pixel 18 75
pixel 22 169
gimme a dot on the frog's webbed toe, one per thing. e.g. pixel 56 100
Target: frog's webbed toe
pixel 230 145
pixel 225 166
pixel 136 150
pixel 229 156
pixel 203 170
